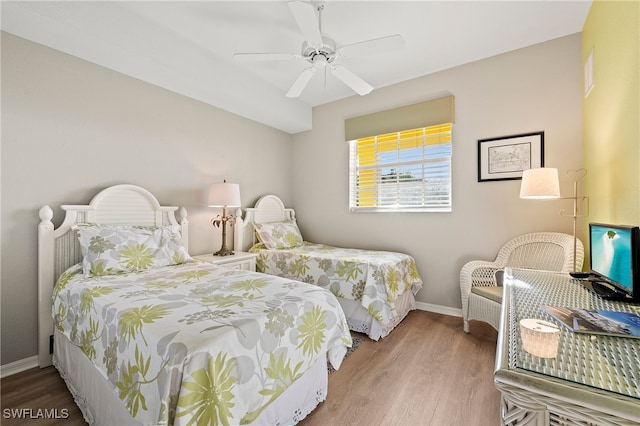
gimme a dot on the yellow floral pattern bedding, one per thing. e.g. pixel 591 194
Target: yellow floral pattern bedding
pixel 374 278
pixel 197 343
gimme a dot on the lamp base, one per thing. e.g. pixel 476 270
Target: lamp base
pixel 224 252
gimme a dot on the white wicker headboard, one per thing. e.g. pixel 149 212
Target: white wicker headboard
pixel 268 208
pixel 58 249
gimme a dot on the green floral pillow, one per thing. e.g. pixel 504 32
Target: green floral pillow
pixel 115 249
pixel 279 235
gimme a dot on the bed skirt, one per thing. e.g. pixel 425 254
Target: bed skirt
pixel 359 319
pixel 100 405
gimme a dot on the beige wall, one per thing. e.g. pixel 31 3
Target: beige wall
pixel 71 128
pixel 611 113
pixel 532 89
pixel 67 125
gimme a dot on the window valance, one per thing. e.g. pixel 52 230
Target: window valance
pixel 423 114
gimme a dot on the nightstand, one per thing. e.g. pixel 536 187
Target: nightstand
pixel 239 260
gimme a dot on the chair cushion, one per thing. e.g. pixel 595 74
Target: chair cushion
pixel 490 292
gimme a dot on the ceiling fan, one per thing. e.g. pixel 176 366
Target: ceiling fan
pixel 322 52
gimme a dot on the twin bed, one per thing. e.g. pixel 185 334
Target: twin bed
pixel 143 334
pixel 376 289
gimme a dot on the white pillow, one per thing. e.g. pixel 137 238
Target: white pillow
pixel 279 235
pixel 115 249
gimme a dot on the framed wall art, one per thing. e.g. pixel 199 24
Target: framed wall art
pixel 506 157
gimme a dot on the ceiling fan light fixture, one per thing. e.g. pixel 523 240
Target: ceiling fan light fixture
pixel 321 52
pixel 320 60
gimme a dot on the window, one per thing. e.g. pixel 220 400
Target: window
pixel 408 170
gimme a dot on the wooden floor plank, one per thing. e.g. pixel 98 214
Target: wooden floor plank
pixel 426 372
pixel 38 397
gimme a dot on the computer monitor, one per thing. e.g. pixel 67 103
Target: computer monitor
pixel 615 258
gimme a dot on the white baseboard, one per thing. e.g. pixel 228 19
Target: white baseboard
pixel 439 309
pixel 18 366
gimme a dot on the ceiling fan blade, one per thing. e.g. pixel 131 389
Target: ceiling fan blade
pixel 301 82
pixel 350 79
pixel 305 15
pixel 255 57
pixel 370 47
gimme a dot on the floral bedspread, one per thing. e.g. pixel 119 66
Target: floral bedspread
pixel 197 343
pixel 374 278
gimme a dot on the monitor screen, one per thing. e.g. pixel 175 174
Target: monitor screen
pixel 613 254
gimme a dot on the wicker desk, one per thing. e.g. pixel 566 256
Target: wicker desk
pixel 589 382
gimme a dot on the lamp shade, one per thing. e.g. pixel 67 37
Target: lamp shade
pixel 224 195
pixel 540 184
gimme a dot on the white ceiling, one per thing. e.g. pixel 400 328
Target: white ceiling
pixel 188 47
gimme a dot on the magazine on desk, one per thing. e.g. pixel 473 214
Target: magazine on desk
pixel 597 321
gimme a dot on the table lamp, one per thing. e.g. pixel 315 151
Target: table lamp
pixel 224 195
pixel 542 184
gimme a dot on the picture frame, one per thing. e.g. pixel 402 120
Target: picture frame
pixel 506 157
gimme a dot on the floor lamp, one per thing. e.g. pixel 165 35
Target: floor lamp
pixel 224 195
pixel 542 184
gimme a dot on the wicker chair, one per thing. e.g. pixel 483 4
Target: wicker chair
pixel 481 290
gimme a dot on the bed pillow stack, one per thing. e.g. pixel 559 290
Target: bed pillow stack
pixel 279 235
pixel 115 249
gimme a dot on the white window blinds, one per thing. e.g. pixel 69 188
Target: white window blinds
pixel 409 170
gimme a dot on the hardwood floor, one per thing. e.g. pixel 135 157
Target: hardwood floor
pixel 426 372
pixel 25 393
